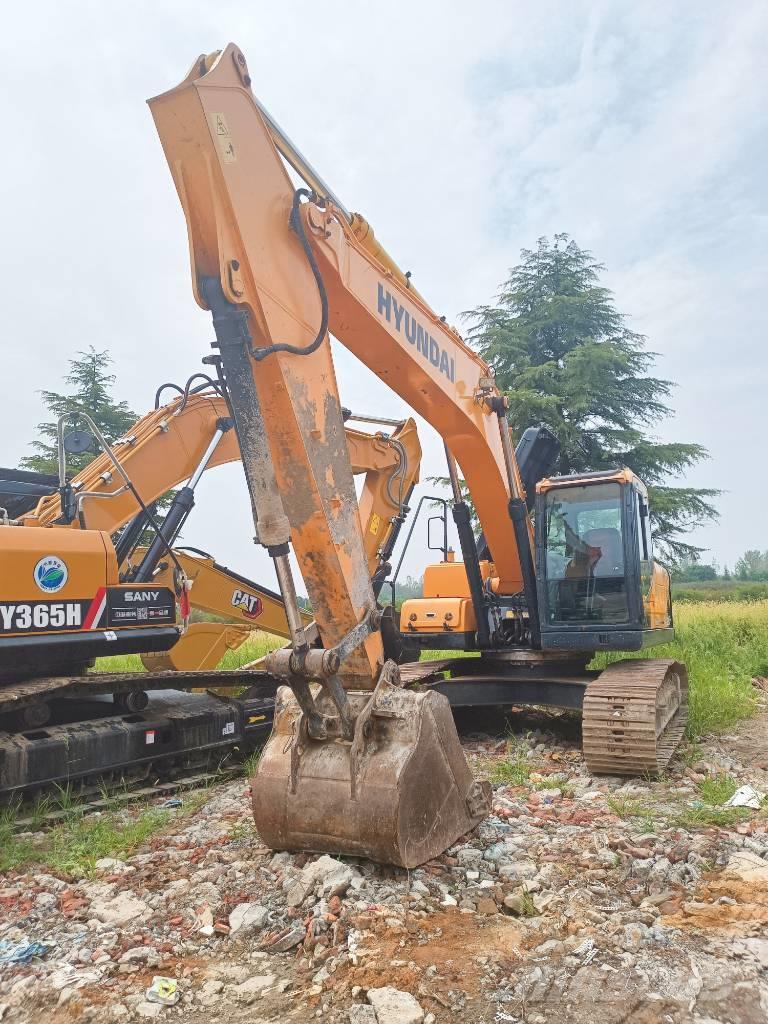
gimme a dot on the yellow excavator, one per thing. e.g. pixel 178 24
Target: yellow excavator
pixel 358 762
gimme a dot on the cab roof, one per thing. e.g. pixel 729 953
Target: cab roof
pixel 619 476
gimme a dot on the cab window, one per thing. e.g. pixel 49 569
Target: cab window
pixel 585 554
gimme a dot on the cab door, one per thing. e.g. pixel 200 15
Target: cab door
pixel 654 578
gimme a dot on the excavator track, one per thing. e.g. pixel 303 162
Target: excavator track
pixel 634 716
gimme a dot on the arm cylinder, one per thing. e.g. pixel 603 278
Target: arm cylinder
pixel 463 521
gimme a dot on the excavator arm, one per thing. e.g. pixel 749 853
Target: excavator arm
pixel 161 450
pixel 277 273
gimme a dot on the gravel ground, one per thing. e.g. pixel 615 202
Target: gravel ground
pixel 580 899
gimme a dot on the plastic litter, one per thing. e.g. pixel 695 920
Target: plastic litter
pixel 163 990
pixel 204 923
pixel 746 796
pixel 172 802
pixel 21 952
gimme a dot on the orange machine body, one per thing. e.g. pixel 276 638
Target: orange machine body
pixel 58 581
pixel 445 605
pixel 78 564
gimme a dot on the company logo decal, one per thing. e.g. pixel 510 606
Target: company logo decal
pixel 417 334
pixel 250 605
pixel 51 574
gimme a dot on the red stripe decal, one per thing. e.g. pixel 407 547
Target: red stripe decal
pixel 96 609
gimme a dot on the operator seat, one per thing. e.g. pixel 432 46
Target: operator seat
pixel 608 542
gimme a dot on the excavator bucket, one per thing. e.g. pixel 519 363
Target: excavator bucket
pixel 400 792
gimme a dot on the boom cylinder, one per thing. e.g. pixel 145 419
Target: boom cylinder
pixel 271 523
pixel 518 513
pixel 183 503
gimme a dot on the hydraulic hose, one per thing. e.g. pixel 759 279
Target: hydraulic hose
pixel 399 474
pixel 299 350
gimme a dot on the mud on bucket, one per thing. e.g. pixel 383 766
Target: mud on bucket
pixel 401 793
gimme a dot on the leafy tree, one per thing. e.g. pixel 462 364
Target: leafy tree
pixel 410 587
pixel 690 570
pixel 564 356
pixel 91 392
pixel 753 565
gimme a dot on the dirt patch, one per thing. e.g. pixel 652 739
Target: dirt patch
pixel 732 902
pixel 444 946
pixel 749 744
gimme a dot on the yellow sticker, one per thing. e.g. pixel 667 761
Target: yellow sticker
pixel 223 137
pixel 375 524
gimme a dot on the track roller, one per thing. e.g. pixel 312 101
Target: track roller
pixel 133 702
pixel 634 716
pixel 33 716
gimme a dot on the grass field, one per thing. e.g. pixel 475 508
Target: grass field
pixel 723 644
pixel 256 646
pixel 719 590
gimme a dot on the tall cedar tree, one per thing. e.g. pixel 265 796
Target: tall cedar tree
pixel 91 385
pixel 565 357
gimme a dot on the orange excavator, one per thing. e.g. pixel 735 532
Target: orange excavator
pixel 77 583
pixel 357 761
pixel 113 497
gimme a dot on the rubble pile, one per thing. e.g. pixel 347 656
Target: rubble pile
pixel 579 899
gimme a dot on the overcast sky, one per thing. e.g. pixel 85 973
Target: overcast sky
pixel 463 132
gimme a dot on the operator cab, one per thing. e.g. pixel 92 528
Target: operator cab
pixel 598 584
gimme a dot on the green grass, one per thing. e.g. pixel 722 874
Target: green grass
pixel 73 846
pixel 627 807
pixel 724 647
pixel 716 789
pixel 251 763
pixel 120 663
pixel 719 591
pixel 706 811
pixel 256 646
pixel 703 817
pixel 529 907
pixel 512 771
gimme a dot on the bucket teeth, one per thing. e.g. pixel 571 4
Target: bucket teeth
pixel 400 793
